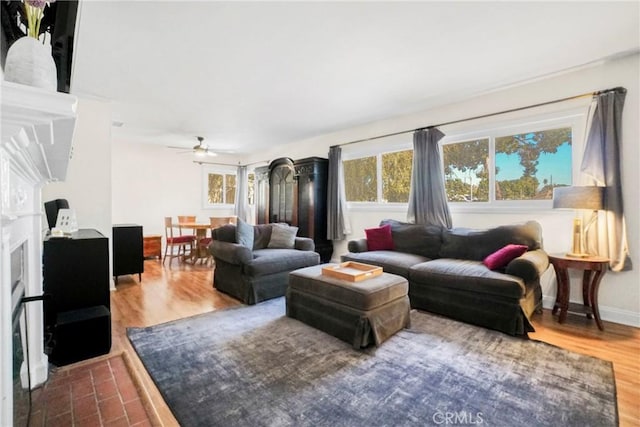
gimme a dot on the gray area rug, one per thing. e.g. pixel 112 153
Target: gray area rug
pixel 252 366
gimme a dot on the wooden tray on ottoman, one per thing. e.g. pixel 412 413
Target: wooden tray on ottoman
pixel 352 271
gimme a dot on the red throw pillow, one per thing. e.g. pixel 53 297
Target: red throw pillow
pixel 379 238
pixel 504 256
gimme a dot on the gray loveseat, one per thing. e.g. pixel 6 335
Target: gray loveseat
pixel 447 276
pixel 261 273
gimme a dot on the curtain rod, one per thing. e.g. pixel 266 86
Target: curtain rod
pixel 512 110
pixel 200 162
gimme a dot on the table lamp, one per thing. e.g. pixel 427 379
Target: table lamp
pixel 585 197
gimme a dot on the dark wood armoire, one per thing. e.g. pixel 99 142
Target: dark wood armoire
pixel 295 192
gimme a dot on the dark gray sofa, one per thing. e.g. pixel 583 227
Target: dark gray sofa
pixel 261 273
pixel 446 274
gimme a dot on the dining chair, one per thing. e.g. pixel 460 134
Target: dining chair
pixel 215 222
pixel 173 242
pixel 186 231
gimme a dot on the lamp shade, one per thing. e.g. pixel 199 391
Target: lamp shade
pixel 587 197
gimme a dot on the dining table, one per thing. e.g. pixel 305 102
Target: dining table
pixel 200 229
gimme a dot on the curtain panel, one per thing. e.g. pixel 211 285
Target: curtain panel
pixel 242 197
pixel 427 196
pixel 601 161
pixel 337 225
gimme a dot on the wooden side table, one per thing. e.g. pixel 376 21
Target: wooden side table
pixel 152 246
pixel 594 268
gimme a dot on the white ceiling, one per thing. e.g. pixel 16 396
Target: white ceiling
pixel 249 74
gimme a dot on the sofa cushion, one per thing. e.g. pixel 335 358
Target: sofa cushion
pixel 379 238
pixel 261 236
pixel 271 261
pixel 476 245
pixel 391 261
pixel 503 256
pixel 244 234
pixel 418 239
pixel 226 233
pixel 282 237
pixel 466 275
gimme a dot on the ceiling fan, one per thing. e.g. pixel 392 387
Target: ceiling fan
pixel 200 149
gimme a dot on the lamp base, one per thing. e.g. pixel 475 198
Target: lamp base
pixel 578 255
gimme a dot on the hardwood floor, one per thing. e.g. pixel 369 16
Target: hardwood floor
pixel 167 294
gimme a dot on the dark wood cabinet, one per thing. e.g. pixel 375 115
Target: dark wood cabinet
pixel 77 305
pixel 282 192
pixel 311 180
pixel 295 192
pixel 128 250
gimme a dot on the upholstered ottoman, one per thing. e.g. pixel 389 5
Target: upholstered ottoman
pixel 360 313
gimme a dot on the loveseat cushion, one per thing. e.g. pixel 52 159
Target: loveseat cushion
pixel 271 261
pixel 418 239
pixel 466 275
pixel 475 245
pixel 391 261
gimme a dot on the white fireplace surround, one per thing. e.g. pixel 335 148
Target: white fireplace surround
pixel 37 133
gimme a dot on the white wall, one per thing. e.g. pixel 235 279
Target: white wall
pixel 88 183
pixel 151 182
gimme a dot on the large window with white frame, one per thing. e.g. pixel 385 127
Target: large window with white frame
pixel 220 186
pixel 509 166
pixel 383 178
pixel 503 164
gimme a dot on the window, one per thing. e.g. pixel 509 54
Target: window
pixel 251 188
pixel 361 179
pixel 505 166
pixel 466 170
pixel 529 165
pixel 384 178
pixel 221 188
pixel 396 176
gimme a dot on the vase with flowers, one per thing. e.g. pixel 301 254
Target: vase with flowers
pixel 29 60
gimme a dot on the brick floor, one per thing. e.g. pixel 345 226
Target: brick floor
pixel 100 393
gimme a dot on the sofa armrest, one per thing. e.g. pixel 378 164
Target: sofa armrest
pixel 304 244
pixel 529 266
pixel 233 253
pixel 359 245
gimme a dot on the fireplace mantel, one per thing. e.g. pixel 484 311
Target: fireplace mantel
pixel 35 147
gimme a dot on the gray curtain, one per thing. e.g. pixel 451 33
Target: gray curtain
pixel 427 197
pixel 601 161
pixel 242 196
pixel 337 225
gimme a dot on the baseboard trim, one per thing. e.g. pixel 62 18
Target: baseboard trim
pixel 610 314
pixel 39 371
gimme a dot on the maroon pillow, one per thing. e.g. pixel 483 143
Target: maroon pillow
pixel 379 238
pixel 504 256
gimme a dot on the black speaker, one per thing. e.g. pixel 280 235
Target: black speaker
pixel 81 334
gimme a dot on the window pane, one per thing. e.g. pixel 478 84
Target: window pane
pixel 251 179
pixel 529 165
pixel 465 170
pixel 360 179
pixel 230 196
pixel 214 188
pixel 396 176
